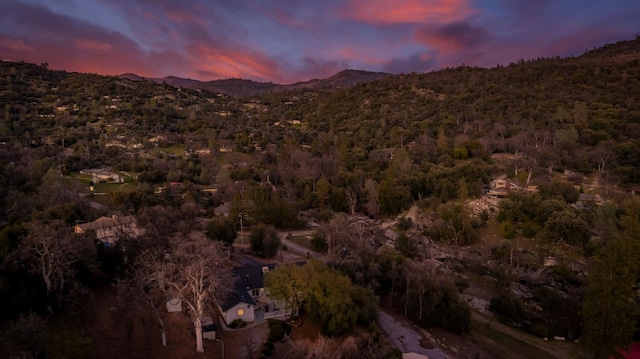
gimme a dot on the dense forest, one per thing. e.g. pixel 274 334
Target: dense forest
pixel 564 130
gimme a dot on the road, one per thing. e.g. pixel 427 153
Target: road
pixel 245 260
pixel 295 247
pixel 405 337
pixel 292 247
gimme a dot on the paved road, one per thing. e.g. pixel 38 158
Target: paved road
pixel 245 260
pixel 406 338
pixel 302 251
pixel 295 247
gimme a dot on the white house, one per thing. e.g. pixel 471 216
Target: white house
pixel 102 174
pixel 249 300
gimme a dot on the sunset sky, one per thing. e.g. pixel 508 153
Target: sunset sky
pixel 287 41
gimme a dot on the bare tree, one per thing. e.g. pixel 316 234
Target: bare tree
pixel 372 206
pixel 147 285
pixel 518 163
pixel 249 342
pixel 199 272
pixel 418 278
pixel 548 159
pixel 352 198
pixel 602 155
pixel 26 337
pixel 342 240
pixel 51 250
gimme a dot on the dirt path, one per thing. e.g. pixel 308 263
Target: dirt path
pixel 412 213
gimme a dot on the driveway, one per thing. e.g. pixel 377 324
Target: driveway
pixel 406 337
pixel 295 247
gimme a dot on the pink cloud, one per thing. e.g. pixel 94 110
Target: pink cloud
pixel 229 62
pixel 74 45
pixel 93 45
pixel 179 17
pixel 15 44
pixel 353 53
pixel 283 16
pixel 381 12
pixel 452 37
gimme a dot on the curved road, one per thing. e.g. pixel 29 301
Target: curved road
pixel 295 247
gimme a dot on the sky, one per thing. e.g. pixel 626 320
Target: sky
pixel 287 41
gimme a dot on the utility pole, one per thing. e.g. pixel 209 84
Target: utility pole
pixel 240 215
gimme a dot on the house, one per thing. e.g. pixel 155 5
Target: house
pixel 173 302
pixel 412 355
pixel 249 300
pixel 203 151
pixel 208 329
pixel 102 175
pixel 500 187
pixel 223 209
pixel 586 198
pixel 109 229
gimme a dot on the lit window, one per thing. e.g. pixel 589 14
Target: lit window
pixel 240 312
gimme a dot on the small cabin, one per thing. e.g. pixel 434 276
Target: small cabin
pixel 174 304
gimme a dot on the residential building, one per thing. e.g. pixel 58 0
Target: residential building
pixel 109 229
pixel 249 301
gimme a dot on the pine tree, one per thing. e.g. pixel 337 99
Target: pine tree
pixel 609 313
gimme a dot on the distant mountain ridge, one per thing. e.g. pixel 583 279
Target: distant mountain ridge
pixel 242 87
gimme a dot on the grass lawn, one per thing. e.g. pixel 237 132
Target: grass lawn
pixel 177 150
pixel 103 200
pixel 506 345
pixel 302 241
pixel 106 187
pixel 85 180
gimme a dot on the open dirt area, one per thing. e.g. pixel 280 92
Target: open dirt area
pixel 130 331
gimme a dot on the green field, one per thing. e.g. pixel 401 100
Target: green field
pixel 302 241
pixel 177 150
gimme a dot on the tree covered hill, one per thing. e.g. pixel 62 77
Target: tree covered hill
pixel 244 88
pixel 577 113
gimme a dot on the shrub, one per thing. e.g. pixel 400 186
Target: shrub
pixel 269 345
pixel 404 223
pixel 508 230
pixel 238 323
pixel 319 243
pixel 508 309
pixel 264 240
pixel 277 330
pixel 462 285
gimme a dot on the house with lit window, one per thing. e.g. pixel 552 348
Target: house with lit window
pixel 248 300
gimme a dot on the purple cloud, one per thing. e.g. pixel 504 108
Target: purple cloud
pixel 296 40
